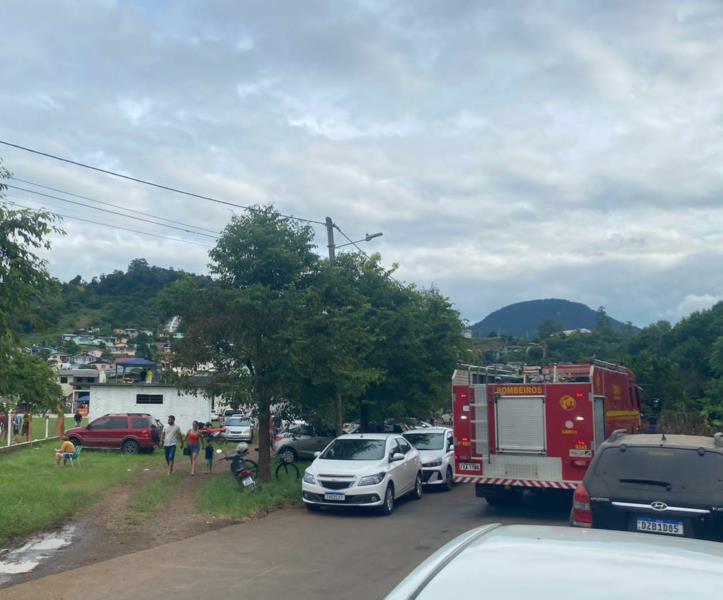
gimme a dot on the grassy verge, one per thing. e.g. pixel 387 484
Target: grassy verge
pixel 223 497
pixel 35 493
pixel 148 501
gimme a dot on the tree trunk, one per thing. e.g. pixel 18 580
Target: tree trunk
pixel 339 414
pixel 264 440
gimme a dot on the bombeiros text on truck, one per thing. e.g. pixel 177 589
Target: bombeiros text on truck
pixel 537 427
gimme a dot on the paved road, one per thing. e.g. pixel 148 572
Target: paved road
pixel 290 553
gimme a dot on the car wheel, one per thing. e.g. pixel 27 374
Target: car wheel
pixel 449 480
pixel 130 447
pixel 75 441
pixel 313 507
pixel 388 507
pixel 417 491
pixel 288 455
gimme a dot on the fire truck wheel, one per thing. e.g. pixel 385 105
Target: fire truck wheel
pixel 449 480
pixel 388 507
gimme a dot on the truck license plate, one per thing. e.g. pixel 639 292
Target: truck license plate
pixel 334 497
pixel 468 467
pixel 660 526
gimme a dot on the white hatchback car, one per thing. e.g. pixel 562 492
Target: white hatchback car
pixel 363 469
pixel 436 448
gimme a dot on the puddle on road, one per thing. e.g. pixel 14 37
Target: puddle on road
pixel 22 560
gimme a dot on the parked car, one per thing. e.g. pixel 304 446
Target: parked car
pixel 363 469
pixel 129 432
pixel 654 483
pixel 238 429
pixel 519 562
pixel 436 449
pixel 214 415
pixel 302 442
pixel 229 412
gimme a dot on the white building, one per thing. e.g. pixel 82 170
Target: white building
pixel 159 400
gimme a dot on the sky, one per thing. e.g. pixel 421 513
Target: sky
pixel 507 150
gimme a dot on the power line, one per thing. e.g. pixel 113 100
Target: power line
pixel 112 212
pixel 67 193
pixel 156 235
pixel 145 182
pixel 352 242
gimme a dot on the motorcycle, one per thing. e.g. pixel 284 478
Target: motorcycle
pixel 244 470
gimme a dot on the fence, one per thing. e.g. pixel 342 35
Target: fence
pixel 43 428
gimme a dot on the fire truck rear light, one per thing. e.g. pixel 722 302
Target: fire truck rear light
pixel 581 511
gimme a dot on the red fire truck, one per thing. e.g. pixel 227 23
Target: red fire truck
pixel 537 427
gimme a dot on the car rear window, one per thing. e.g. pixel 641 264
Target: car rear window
pixel 673 469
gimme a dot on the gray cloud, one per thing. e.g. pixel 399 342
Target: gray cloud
pixel 507 152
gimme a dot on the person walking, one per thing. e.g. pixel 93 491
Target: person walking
pixel 208 450
pixel 193 441
pixel 78 418
pixel 170 438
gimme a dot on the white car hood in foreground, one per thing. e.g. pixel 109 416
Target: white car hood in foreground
pixel 519 562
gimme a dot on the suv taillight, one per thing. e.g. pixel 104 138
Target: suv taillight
pixel 581 511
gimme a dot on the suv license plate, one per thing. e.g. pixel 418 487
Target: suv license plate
pixel 660 526
pixel 334 497
pixel 468 467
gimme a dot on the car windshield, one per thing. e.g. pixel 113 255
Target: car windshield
pixel 675 469
pixel 238 422
pixel 357 449
pixel 426 441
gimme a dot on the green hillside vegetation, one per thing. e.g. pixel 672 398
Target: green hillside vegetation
pixel 119 299
pixel 523 319
pixel 680 364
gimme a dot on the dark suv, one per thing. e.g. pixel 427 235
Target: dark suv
pixel 653 483
pixel 129 432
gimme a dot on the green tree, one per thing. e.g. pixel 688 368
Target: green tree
pixel 335 341
pixel 23 280
pixel 244 320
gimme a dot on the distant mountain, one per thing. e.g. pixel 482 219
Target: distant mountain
pixel 524 318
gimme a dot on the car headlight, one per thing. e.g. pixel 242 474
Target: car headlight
pixel 372 479
pixel 309 478
pixel 434 463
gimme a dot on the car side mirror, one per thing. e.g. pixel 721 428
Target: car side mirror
pixel 396 457
pixel 317 454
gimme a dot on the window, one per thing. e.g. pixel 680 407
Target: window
pixel 109 423
pixel 354 449
pixel 403 445
pixel 149 398
pixel 64 379
pixel 426 441
pixel 141 422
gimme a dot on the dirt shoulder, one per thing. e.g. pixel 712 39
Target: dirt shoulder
pixel 111 528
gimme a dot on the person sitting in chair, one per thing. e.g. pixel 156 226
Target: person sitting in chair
pixel 66 451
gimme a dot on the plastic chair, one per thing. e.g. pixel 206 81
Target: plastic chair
pixel 75 457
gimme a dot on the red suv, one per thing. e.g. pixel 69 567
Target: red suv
pixel 129 432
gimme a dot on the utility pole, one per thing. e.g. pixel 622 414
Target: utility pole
pixel 330 240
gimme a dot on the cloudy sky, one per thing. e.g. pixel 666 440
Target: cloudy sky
pixel 507 150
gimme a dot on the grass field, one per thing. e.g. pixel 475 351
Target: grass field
pixel 35 493
pixel 223 497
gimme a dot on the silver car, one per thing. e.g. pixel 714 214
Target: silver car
pixel 520 562
pixel 238 429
